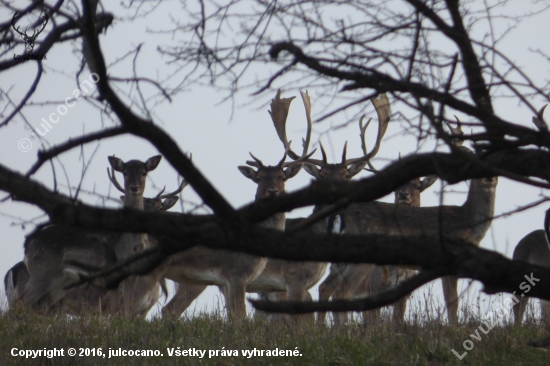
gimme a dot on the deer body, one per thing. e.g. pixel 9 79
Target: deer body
pixel 84 298
pixel 360 280
pixel 15 281
pixel 533 249
pixel 232 272
pixel 289 280
pixel 56 255
pixel 468 222
pixel 235 273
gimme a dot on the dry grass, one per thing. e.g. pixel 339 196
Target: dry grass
pixel 424 339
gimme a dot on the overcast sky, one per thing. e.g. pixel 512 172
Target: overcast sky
pixel 219 135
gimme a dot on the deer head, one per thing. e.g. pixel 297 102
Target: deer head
pixel 348 168
pixel 271 179
pixel 161 202
pixel 135 176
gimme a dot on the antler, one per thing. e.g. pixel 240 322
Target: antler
pixel 257 163
pixel 538 120
pixel 382 106
pixel 279 108
pixel 456 133
pixel 279 113
pixel 112 178
pixel 183 184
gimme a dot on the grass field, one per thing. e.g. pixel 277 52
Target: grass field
pixel 415 343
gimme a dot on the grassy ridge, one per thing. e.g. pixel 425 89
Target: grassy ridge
pixel 381 344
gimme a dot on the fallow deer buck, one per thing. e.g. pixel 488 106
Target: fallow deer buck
pixel 283 279
pixel 301 276
pixel 235 273
pixel 56 255
pixel 408 194
pixel 78 300
pixel 534 249
pixel 468 222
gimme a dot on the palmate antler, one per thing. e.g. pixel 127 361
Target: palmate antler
pixel 279 113
pixel 382 107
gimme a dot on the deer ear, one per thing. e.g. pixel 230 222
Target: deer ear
pixel 169 203
pixel 312 169
pixel 427 182
pixel 248 172
pixel 116 163
pixel 292 170
pixel 355 169
pixel 152 162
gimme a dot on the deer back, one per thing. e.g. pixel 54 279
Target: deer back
pixel 533 249
pixel 468 222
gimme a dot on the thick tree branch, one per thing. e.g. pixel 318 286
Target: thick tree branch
pixel 176 232
pixel 384 83
pixel 146 129
pixel 369 303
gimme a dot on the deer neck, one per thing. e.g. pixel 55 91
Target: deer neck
pixel 130 240
pixel 479 208
pixel 134 201
pixel 276 222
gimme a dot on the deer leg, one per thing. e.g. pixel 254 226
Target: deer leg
pixel 327 287
pixel 258 314
pixel 399 309
pixel 343 292
pixel 545 312
pixel 183 297
pixel 354 275
pixel 300 293
pixel 42 292
pixel 277 296
pixel 450 291
pixel 519 310
pixel 375 282
pixel 235 300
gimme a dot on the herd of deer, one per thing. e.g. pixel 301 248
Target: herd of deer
pixel 57 255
